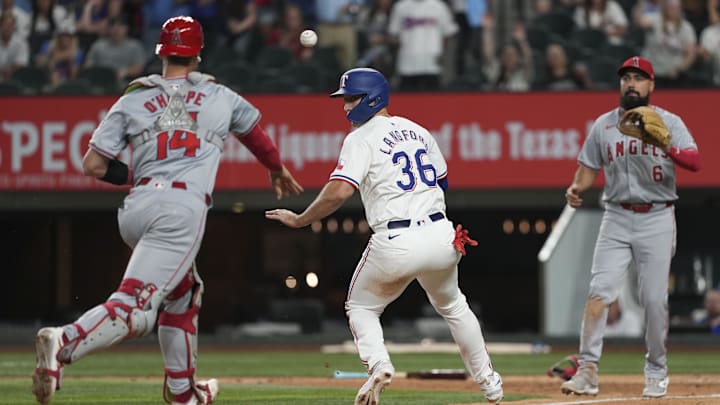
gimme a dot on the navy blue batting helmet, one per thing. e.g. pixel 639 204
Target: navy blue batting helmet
pixel 368 82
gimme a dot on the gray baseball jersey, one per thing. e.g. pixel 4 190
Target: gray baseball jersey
pixel 635 172
pixel 176 129
pixel 396 149
pixel 185 155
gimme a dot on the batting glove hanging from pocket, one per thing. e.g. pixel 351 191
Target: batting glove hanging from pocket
pixel 462 237
pixel 565 368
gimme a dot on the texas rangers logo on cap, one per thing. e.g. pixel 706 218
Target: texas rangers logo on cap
pixel 343 81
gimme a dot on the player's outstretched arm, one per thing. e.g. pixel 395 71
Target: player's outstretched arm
pixel 284 183
pixel 259 143
pixel 332 197
pixel 583 180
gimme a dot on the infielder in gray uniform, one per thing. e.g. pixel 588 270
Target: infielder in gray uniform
pixel 401 174
pixel 638 225
pixel 176 124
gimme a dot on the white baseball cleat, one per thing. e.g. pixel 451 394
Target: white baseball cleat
pixel 492 387
pixel 655 387
pixel 205 393
pixel 48 372
pixel 584 382
pixel 381 376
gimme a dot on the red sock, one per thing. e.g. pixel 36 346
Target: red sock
pixel 184 397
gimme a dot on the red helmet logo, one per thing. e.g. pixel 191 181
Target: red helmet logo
pixel 180 36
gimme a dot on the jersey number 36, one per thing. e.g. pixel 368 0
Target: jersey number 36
pixel 424 171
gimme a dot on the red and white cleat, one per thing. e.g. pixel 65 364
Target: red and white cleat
pixel 48 372
pixel 205 393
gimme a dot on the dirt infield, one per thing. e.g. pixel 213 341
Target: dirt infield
pixel 614 389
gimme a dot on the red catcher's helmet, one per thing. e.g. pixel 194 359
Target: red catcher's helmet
pixel 180 36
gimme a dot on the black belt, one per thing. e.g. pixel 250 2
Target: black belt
pixel 405 223
pixel 644 207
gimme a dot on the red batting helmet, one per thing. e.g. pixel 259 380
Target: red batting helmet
pixel 180 36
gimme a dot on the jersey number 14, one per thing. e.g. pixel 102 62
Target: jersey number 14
pixel 425 171
pixel 178 140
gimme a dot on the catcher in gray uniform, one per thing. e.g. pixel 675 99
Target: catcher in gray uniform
pixel 177 124
pixel 639 219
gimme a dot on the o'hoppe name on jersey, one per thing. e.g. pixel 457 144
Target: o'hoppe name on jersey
pixel 161 100
pixel 633 150
pixel 402 135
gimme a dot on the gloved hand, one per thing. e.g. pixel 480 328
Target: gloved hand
pixel 461 238
pixel 645 124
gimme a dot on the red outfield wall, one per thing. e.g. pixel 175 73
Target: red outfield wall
pixel 490 140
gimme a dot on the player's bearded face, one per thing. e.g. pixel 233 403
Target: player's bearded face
pixel 635 89
pixel 632 98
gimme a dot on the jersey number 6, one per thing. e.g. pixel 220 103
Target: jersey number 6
pixel 423 170
pixel 179 140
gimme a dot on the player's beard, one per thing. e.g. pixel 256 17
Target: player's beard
pixel 629 101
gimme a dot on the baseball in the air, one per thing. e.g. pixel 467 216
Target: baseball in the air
pixel 308 38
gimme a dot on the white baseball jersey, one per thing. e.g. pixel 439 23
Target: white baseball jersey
pixel 398 149
pixel 396 164
pixel 421 27
pixel 635 172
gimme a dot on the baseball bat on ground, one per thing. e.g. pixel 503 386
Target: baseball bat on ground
pixel 349 374
pixel 434 374
pixel 439 374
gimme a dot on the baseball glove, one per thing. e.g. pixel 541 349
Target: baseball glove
pixel 645 124
pixel 565 368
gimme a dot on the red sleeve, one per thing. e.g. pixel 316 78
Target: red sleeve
pixel 259 143
pixel 686 158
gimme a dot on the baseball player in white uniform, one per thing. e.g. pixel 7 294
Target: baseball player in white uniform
pixel 176 124
pixel 638 225
pixel 401 174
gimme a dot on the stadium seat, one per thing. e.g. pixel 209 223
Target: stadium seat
pixel 279 84
pixel 73 87
pixel 103 80
pixel 465 83
pixel 326 56
pixel 635 36
pixel 85 40
pixel 219 56
pixel 10 88
pixel 538 37
pixel 273 58
pixel 239 75
pixel 310 76
pixel 603 70
pixel 33 79
pixel 619 52
pixel 559 23
pixel 590 38
pixel 576 52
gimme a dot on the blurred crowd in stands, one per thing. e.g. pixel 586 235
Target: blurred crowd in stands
pixel 97 46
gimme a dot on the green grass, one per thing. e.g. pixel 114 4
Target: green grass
pixel 122 366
